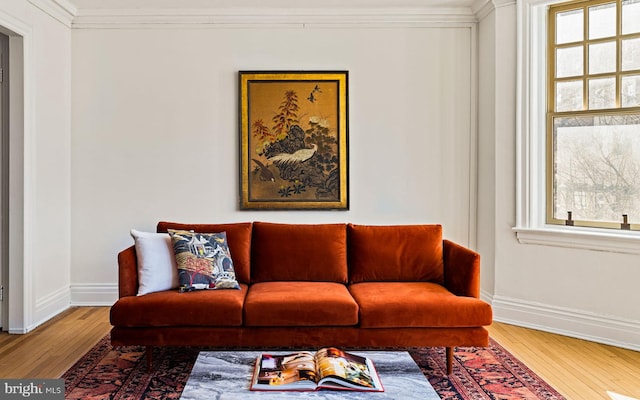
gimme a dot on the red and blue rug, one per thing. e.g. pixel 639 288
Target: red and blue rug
pixel 479 373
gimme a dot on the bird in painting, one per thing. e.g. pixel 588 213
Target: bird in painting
pixel 312 98
pixel 265 173
pixel 299 156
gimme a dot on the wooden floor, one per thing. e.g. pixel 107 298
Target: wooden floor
pixel 51 349
pixel 578 369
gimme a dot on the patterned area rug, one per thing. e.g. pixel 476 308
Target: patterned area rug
pixel 121 373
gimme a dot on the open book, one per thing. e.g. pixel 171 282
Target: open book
pixel 328 368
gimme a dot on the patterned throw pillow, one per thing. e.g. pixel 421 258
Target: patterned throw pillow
pixel 203 260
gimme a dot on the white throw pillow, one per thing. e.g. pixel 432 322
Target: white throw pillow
pixel 157 270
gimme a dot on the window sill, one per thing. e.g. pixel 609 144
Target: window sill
pixel 581 238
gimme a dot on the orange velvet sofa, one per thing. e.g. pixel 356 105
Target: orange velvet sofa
pixel 309 286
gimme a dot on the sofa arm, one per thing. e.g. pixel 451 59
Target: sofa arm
pixel 127 272
pixel 461 270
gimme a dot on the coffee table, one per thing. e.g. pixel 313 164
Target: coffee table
pixel 226 375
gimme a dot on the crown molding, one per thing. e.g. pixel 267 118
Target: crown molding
pixel 482 8
pixel 296 18
pixel 68 14
pixel 61 10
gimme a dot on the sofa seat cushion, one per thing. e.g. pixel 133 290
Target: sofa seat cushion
pixel 292 252
pixel 416 304
pixel 299 304
pixel 172 308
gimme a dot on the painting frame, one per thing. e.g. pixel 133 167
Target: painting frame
pixel 294 140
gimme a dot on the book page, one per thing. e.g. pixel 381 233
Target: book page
pixel 292 369
pixel 353 369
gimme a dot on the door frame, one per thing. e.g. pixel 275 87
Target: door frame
pixel 18 293
pixel 4 176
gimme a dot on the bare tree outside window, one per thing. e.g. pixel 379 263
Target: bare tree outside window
pixel 597 168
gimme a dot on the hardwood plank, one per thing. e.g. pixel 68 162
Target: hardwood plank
pixel 577 368
pixel 51 349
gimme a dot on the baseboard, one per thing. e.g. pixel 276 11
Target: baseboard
pixel 48 307
pixel 76 295
pixel 568 322
pixel 486 296
pixel 94 294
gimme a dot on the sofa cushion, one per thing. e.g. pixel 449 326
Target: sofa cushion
pixel 172 308
pixel 157 268
pixel 292 252
pixel 416 304
pixel 203 259
pixel 238 238
pixel 406 253
pixel 299 304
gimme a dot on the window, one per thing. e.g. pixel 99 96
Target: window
pixel 593 114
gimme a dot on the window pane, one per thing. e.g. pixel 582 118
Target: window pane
pixel 630 16
pixel 596 168
pixel 602 21
pixel 630 54
pixel 602 58
pixel 569 62
pixel 569 96
pixel 569 26
pixel 631 91
pixel 602 93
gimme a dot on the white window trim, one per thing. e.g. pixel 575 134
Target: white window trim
pixel 531 227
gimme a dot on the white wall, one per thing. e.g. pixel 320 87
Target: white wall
pixel 151 107
pixel 582 293
pixel 40 153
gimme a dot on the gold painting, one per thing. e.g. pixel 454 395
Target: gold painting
pixel 294 140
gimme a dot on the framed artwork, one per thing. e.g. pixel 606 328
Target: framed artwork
pixel 293 128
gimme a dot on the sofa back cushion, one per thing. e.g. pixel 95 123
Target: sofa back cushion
pixel 238 240
pixel 404 253
pixel 294 252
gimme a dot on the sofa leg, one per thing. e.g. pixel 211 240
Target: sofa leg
pixel 149 358
pixel 449 360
